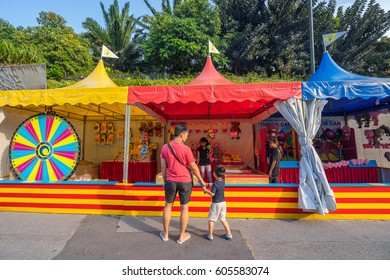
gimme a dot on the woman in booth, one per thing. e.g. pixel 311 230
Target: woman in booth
pixel 203 160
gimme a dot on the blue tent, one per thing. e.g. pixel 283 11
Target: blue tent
pixel 347 93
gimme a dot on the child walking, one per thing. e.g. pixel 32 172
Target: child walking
pixel 218 205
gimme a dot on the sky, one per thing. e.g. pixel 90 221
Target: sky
pixel 25 12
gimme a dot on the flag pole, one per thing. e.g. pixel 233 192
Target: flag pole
pixel 311 38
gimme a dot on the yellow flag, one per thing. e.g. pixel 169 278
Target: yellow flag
pixel 212 49
pixel 331 37
pixel 107 53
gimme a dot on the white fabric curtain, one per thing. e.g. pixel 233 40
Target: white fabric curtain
pixel 314 193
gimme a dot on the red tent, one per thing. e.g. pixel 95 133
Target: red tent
pixel 211 96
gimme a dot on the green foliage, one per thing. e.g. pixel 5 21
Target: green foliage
pixel 366 23
pixel 118 35
pixel 264 36
pixel 52 42
pixel 177 37
pixel 11 53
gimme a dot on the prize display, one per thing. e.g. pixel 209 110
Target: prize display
pixel 45 147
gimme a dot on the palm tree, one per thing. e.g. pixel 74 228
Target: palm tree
pixel 166 7
pixel 117 34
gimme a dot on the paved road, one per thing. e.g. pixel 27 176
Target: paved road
pixel 31 236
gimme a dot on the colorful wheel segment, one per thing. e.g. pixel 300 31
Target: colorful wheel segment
pixel 45 147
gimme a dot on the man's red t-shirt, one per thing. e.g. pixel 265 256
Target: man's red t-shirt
pixel 175 170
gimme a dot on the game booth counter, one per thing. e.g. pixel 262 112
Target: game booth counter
pixel 208 103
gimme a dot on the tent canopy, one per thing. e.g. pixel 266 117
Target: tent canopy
pixel 211 96
pixel 94 98
pixel 348 92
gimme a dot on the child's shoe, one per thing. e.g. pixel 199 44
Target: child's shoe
pixel 227 237
pixel 206 236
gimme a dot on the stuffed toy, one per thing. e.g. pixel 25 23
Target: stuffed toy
pixel 386 129
pixel 235 130
pixel 346 133
pixel 211 133
pixel 378 133
pixel 110 138
pixel 370 138
pixel 120 133
pixel 363 118
pixel 145 138
pixel 134 153
pixel 194 149
pixel 110 127
pixel 96 127
pixel 374 117
pixel 149 128
pixel 103 139
pixel 142 128
pixel 217 152
pixel 157 129
pixel 103 128
pixel 272 132
pixel 97 138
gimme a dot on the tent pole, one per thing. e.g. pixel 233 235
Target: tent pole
pixel 126 147
pixel 345 118
pixel 254 145
pixel 83 147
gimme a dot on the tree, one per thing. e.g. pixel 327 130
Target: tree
pixel 264 36
pixel 366 22
pixel 176 37
pixel 118 35
pixel 64 52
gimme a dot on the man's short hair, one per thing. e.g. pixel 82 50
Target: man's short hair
pixel 220 170
pixel 180 128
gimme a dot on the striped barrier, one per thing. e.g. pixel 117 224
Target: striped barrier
pixel 358 201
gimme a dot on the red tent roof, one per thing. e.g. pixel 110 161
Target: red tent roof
pixel 211 96
pixel 209 76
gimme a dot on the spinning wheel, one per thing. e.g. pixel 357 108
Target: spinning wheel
pixel 45 147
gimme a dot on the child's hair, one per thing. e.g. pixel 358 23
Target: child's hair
pixel 220 170
pixel 204 140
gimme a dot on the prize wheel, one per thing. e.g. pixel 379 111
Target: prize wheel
pixel 45 147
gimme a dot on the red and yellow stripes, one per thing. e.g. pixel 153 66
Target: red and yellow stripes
pixel 62 198
pixel 265 201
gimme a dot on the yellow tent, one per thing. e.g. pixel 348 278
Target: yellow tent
pixel 96 97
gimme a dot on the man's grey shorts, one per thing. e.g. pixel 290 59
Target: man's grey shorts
pixel 172 188
pixel 217 210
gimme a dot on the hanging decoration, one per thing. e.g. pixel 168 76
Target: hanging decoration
pixel 158 129
pixel 235 130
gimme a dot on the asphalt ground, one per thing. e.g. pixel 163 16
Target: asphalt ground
pixel 36 236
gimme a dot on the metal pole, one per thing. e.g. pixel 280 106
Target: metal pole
pixel 311 38
pixel 83 146
pixel 126 143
